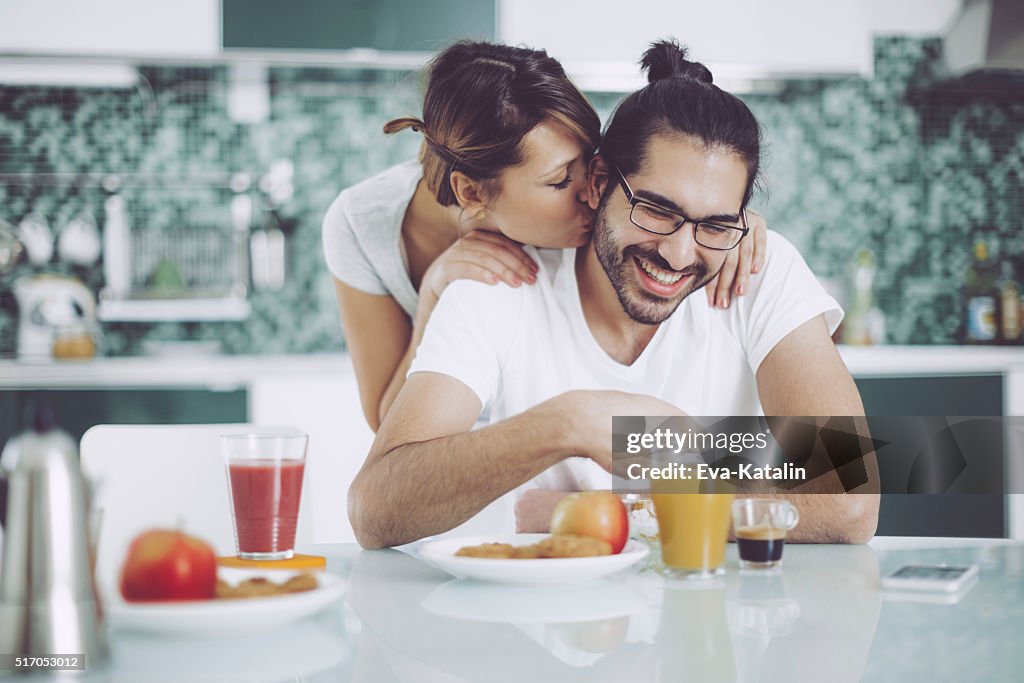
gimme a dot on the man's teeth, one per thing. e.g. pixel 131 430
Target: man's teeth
pixel 665 277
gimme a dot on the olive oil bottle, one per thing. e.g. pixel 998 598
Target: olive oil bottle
pixel 981 298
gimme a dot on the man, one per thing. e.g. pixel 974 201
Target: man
pixel 610 329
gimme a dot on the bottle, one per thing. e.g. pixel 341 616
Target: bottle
pixel 1009 306
pixel 980 296
pixel 117 268
pixel 864 324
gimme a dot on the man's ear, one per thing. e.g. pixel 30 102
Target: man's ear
pixel 597 180
pixel 468 193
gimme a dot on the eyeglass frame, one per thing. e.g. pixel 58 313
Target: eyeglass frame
pixel 634 200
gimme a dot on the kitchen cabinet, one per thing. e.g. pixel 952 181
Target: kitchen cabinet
pixel 731 36
pixel 77 410
pixel 183 28
pixel 973 515
pixel 322 25
pixel 739 40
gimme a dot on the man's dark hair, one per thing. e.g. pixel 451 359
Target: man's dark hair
pixel 680 99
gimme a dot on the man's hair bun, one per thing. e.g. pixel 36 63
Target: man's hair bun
pixel 667 58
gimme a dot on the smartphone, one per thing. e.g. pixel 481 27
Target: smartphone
pixel 921 577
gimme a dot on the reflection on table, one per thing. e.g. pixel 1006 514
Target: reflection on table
pixel 637 626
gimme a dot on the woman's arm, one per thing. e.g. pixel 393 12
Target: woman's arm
pixel 381 338
pixel 378 334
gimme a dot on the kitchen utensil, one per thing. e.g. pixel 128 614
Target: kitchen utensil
pixel 267 250
pixel 37 237
pixel 241 219
pixel 47 303
pixel 117 249
pixel 11 247
pixel 48 600
pixel 79 242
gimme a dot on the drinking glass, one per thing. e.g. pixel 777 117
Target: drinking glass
pixel 693 529
pixel 265 474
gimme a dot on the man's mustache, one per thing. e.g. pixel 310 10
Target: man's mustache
pixel 656 259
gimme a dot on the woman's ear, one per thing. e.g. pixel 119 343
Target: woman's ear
pixel 468 193
pixel 597 180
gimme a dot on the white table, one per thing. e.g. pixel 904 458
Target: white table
pixel 824 618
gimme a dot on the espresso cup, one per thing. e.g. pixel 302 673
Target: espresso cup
pixel 760 526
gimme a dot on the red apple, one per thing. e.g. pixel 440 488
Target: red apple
pixel 164 564
pixel 593 513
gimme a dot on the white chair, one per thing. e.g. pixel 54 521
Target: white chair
pixel 166 476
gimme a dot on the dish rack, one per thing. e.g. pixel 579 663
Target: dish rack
pixel 193 271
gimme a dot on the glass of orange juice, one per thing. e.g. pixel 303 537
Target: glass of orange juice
pixel 693 529
pixel 693 519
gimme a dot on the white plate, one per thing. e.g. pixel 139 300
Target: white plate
pixel 225 617
pixel 441 554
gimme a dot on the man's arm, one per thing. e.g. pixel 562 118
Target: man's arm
pixel 804 375
pixel 427 473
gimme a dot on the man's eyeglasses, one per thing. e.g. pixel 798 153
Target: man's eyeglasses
pixel 661 221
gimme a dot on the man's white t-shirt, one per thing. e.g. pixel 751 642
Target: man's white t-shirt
pixel 517 347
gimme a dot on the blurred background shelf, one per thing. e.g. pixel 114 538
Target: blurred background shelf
pixel 173 310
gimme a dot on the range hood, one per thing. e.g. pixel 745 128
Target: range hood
pixel 983 55
pixel 986 40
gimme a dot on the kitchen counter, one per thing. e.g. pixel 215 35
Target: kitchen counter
pixel 823 618
pixel 908 361
pixel 222 371
pixel 219 372
pixel 319 393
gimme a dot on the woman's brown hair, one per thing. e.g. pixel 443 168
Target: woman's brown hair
pixel 481 99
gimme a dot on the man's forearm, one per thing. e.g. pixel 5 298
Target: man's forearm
pixel 424 488
pixel 835 517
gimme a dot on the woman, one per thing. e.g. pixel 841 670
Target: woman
pixel 507 138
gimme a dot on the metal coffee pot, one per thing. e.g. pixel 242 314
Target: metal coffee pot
pixel 48 604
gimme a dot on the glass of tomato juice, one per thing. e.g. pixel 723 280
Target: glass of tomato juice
pixel 265 484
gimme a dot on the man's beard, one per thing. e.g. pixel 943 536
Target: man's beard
pixel 639 304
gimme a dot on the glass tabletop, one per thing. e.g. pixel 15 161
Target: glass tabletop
pixel 824 616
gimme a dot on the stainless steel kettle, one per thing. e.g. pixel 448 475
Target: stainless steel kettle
pixel 48 602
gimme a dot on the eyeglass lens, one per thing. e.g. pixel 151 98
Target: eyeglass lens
pixel 652 219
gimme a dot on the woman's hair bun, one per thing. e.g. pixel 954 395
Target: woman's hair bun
pixel 667 58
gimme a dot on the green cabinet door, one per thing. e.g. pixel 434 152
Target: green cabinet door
pixel 934 515
pixel 77 411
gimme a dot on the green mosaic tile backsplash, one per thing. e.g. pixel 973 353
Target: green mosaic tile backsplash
pixel 853 163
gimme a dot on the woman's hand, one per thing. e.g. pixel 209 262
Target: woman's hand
pixel 483 256
pixel 745 259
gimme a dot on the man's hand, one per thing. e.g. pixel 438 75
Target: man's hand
pixel 589 413
pixel 534 509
